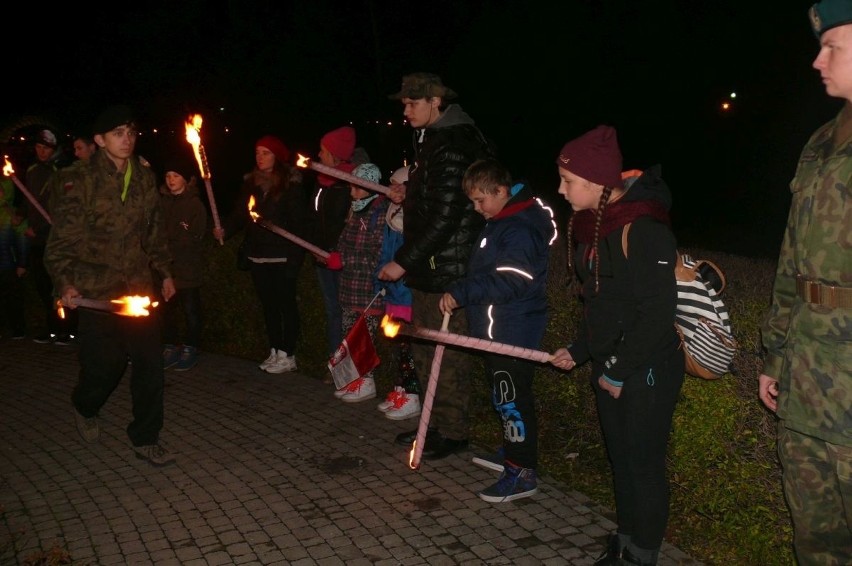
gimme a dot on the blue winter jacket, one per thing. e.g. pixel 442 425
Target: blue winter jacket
pixel 504 292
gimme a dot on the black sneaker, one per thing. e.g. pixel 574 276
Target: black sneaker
pixel 44 338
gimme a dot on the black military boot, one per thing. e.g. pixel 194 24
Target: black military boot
pixel 612 555
pixel 629 559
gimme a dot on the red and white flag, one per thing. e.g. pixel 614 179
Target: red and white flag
pixel 355 356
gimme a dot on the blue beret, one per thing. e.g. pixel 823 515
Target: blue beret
pixel 829 14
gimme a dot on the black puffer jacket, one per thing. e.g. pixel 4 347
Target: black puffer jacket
pixel 440 223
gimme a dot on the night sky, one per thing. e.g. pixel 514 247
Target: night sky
pixel 532 76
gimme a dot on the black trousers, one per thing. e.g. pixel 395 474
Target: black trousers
pixel 513 399
pixel 107 341
pixel 636 428
pixel 276 285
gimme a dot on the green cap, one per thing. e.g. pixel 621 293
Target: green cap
pixel 829 14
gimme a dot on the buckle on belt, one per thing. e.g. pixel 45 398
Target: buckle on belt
pixel 824 295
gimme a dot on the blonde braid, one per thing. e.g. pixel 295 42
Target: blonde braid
pixel 600 212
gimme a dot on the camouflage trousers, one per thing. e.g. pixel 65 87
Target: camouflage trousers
pixel 450 405
pixel 818 488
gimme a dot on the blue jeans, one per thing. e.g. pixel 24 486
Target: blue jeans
pixel 186 302
pixel 329 284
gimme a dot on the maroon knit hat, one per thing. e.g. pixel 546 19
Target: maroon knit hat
pixel 276 146
pixel 340 142
pixel 594 156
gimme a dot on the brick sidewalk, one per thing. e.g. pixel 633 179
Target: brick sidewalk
pixel 271 469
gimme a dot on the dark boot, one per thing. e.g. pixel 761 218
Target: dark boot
pixel 628 558
pixel 612 555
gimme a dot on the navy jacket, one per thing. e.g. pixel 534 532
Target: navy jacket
pixel 505 292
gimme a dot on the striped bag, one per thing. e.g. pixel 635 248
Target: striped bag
pixel 701 318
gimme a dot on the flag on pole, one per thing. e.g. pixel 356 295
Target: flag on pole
pixel 355 356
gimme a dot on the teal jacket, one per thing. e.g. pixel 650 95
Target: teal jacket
pixel 104 247
pixel 809 347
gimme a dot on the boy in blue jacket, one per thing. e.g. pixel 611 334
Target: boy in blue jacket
pixel 504 296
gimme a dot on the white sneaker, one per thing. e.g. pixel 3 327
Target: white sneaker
pixel 270 360
pixel 405 406
pixel 389 400
pixel 282 364
pixel 366 389
pixel 350 387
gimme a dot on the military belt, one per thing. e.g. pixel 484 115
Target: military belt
pixel 824 295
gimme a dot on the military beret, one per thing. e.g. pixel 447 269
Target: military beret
pixel 113 117
pixel 829 14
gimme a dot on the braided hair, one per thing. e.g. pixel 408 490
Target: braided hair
pixel 599 212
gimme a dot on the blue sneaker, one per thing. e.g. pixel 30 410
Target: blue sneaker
pixel 171 355
pixel 188 358
pixel 515 483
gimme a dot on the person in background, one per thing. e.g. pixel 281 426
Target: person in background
pixel 14 247
pixel 331 205
pixel 46 164
pixel 627 330
pixel 185 220
pixel 403 401
pixel 84 147
pixel 505 297
pixel 279 197
pixel 439 231
pixel 107 238
pixel 359 246
pixel 806 377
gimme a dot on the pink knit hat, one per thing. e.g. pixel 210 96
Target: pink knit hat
pixel 340 142
pixel 276 146
pixel 594 156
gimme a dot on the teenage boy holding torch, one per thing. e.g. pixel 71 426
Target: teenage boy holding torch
pixel 107 236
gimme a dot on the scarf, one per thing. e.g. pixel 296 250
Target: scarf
pixel 615 216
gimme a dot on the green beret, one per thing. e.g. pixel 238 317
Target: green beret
pixel 829 14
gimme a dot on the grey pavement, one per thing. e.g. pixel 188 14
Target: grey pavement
pixel 271 469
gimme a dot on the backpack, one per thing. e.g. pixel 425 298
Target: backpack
pixel 701 317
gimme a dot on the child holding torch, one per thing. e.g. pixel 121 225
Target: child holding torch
pixel 504 296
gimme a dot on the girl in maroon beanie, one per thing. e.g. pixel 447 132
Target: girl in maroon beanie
pixel 627 331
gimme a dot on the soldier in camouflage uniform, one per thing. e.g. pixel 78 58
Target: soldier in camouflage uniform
pixel 807 333
pixel 108 234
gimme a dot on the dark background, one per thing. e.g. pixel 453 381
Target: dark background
pixel 532 75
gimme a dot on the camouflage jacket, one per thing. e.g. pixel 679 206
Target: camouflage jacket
pixel 809 347
pixel 104 247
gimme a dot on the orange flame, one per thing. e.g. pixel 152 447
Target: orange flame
pixel 8 170
pixel 60 310
pixel 302 161
pixel 134 305
pixel 252 213
pixel 411 456
pixel 193 136
pixel 390 327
